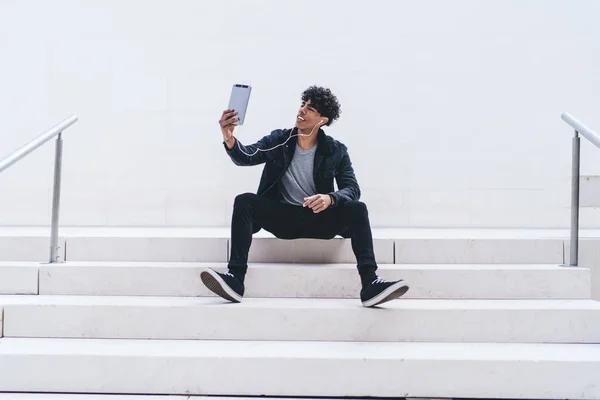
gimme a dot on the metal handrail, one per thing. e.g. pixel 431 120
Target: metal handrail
pixel 55 131
pixel 37 142
pixel 575 176
pixel 581 128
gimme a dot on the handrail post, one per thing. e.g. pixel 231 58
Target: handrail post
pixel 575 200
pixel 54 256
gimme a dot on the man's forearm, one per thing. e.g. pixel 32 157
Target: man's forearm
pixel 247 155
pixel 346 194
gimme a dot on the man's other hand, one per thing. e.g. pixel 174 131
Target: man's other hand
pixel 317 203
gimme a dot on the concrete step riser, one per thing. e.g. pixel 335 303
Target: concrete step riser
pixel 271 250
pixel 22 279
pixel 305 320
pixel 306 370
pixel 325 281
pixel 207 249
pixel 29 248
pixel 401 251
pixel 147 249
pixel 479 251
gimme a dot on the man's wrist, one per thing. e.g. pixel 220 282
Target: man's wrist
pixel 332 199
pixel 229 142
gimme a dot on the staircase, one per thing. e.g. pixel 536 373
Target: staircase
pixel 491 314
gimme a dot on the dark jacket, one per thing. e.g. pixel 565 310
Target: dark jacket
pixel 331 161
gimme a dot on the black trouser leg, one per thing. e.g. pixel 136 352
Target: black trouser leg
pixel 349 220
pixel 252 212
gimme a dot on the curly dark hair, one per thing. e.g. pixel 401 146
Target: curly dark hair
pixel 324 102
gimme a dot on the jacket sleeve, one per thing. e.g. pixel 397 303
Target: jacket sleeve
pixel 348 189
pixel 256 157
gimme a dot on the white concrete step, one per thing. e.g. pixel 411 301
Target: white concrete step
pixel 27 248
pixel 534 371
pixel 338 250
pixel 317 280
pixel 263 249
pixel 479 251
pixel 433 246
pixel 524 321
pixel 19 277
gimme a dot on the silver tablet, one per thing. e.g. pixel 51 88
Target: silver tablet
pixel 240 96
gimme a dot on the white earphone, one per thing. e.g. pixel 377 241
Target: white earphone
pixel 272 148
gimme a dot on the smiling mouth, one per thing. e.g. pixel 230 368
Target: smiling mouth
pixel 300 118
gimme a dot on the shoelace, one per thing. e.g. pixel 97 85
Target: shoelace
pixel 378 280
pixel 228 274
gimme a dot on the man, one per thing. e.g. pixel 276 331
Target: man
pixel 296 197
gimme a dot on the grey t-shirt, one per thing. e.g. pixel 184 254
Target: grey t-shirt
pixel 297 181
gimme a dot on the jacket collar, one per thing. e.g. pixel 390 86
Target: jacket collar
pixel 323 149
pixel 323 146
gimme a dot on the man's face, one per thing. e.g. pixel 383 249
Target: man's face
pixel 307 116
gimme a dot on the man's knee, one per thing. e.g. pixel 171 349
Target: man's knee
pixel 357 208
pixel 244 199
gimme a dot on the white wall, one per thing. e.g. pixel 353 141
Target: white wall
pixel 451 109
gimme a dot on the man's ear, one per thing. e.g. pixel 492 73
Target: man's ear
pixel 324 120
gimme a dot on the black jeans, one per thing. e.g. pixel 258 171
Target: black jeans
pixel 252 212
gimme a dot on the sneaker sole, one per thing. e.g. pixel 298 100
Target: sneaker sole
pixel 393 292
pixel 217 285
